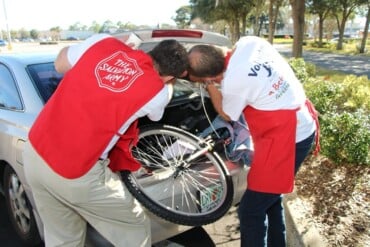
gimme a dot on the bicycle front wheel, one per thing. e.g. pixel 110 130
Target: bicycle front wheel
pixel 181 180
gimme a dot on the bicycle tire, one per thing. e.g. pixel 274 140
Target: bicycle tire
pixel 205 184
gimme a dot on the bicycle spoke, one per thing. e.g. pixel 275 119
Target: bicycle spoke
pixel 180 180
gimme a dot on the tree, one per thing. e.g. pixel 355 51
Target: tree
pixel 34 34
pixel 258 16
pixel 342 10
pixel 95 27
pixel 183 17
pixel 239 10
pixel 23 34
pixel 321 8
pixel 55 33
pixel 366 30
pixel 298 12
pixel 108 27
pixel 76 27
pixel 234 12
pixel 123 26
pixel 273 14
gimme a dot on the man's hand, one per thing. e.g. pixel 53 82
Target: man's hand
pixel 216 98
pixel 225 116
pixel 131 40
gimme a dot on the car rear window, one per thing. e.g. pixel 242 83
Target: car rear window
pixel 46 79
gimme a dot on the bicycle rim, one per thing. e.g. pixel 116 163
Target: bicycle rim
pixel 188 192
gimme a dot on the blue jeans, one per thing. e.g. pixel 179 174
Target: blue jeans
pixel 262 214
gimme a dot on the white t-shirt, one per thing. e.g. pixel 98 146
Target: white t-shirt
pixel 153 109
pixel 258 76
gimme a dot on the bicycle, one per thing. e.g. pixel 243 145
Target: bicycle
pixel 182 179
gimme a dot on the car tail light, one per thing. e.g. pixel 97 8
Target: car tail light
pixel 177 33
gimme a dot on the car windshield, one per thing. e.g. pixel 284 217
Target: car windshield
pixel 46 80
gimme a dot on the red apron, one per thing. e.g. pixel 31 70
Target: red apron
pixel 108 84
pixel 120 156
pixel 273 134
pixel 314 115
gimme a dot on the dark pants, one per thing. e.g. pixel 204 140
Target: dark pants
pixel 255 206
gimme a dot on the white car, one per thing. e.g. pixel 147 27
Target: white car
pixel 28 80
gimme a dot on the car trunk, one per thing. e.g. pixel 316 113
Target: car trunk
pixel 187 110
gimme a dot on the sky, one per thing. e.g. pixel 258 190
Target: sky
pixel 45 14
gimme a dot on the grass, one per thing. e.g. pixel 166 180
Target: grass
pixel 283 41
pixel 350 47
pixel 324 74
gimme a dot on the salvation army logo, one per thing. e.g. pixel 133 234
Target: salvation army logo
pixel 117 72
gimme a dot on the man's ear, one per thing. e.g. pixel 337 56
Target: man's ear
pixel 167 79
pixel 185 73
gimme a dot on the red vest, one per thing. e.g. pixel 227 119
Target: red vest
pixel 108 84
pixel 273 134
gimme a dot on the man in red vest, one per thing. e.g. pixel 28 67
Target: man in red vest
pixel 84 134
pixel 260 84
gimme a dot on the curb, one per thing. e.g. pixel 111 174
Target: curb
pixel 301 231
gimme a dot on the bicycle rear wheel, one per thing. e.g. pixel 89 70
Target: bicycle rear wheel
pixel 181 180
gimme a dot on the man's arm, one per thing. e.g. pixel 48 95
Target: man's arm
pixel 61 63
pixel 216 98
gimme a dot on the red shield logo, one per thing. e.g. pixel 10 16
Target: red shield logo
pixel 117 72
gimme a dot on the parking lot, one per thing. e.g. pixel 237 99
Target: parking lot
pixel 21 47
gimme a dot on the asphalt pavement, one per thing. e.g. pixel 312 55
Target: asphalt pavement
pixel 222 233
pixel 8 237
pixel 358 65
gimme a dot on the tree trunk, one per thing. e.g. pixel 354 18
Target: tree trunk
pixel 298 11
pixel 235 30
pixel 272 21
pixel 260 24
pixel 244 24
pixel 341 26
pixel 366 31
pixel 321 29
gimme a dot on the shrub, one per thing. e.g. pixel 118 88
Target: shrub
pixel 346 137
pixel 356 92
pixel 302 70
pixel 324 94
pixel 316 44
pixel 343 108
